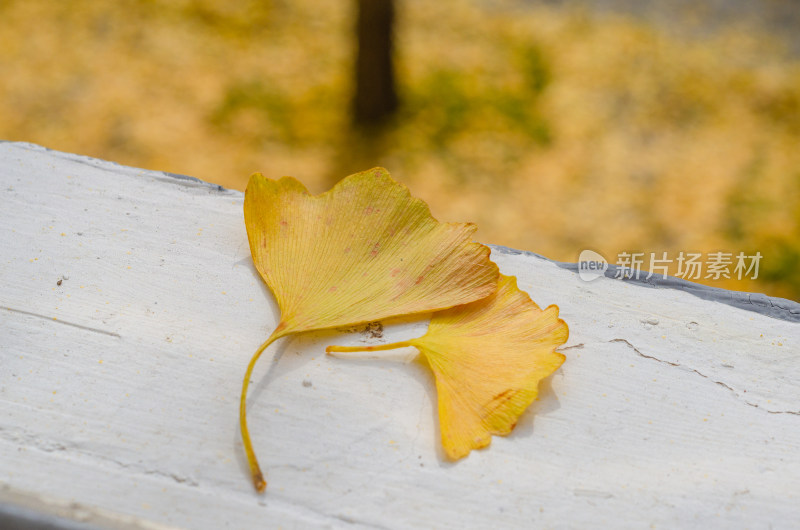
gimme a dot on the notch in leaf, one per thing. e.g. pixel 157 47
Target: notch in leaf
pixel 488 358
pixel 363 251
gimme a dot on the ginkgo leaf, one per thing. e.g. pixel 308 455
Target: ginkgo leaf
pixel 363 251
pixel 488 358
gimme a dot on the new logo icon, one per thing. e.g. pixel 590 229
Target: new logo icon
pixel 591 265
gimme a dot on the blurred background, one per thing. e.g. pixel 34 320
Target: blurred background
pixel 617 126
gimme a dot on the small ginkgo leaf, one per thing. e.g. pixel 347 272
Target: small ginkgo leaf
pixel 363 251
pixel 488 358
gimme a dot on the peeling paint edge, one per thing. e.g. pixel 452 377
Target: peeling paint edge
pixel 108 165
pixel 778 308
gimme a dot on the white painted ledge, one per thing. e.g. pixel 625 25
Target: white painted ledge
pixel 119 387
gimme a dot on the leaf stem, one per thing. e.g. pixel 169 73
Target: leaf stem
pixel 378 347
pixel 255 471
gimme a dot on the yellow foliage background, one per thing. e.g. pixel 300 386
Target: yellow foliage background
pixel 552 129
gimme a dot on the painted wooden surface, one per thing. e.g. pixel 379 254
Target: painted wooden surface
pixel 130 307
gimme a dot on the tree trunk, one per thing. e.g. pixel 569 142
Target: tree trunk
pixel 375 96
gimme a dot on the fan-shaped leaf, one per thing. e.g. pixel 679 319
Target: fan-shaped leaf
pixel 488 358
pixel 363 251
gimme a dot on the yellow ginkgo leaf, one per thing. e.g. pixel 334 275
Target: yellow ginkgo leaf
pixel 363 251
pixel 488 358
